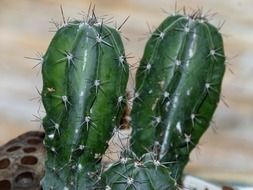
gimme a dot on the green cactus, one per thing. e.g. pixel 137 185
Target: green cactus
pixel 84 79
pixel 178 88
pixel 144 173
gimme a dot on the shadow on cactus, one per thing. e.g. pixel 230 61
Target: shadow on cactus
pixel 85 73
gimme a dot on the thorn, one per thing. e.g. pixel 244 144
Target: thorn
pixel 130 181
pixel 37 119
pixel 39 58
pixel 164 11
pixel 214 127
pixel 193 116
pixel 187 140
pixel 156 121
pixel 175 7
pixel 184 10
pixel 220 25
pixel 122 61
pixel 161 35
pixel 166 95
pixel 207 85
pixel 214 53
pixel 178 62
pixel 136 96
pixel 65 101
pixel 62 14
pixel 149 28
pixel 87 120
pixel 120 100
pixel 186 29
pixel 124 160
pixel 97 84
pixel 146 68
pixel 67 56
pixel 126 19
pixel 53 150
pixel 100 40
pixel 223 99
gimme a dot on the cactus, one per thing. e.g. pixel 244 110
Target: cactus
pixel 84 79
pixel 85 73
pixel 178 88
pixel 132 172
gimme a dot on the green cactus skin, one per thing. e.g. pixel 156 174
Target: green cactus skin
pixel 84 79
pixel 132 173
pixel 178 88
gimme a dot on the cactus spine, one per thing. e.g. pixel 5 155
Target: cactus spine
pixel 178 85
pixel 84 79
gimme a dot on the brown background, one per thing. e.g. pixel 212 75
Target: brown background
pixel 24 29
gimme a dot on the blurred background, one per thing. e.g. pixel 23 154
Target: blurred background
pixel 225 151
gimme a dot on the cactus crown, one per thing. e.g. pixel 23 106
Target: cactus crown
pixel 85 73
